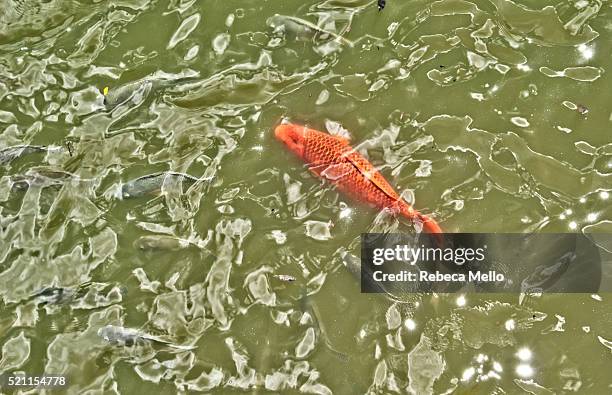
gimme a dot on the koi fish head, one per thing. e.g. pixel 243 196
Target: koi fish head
pixel 294 137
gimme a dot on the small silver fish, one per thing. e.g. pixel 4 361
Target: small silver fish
pixel 151 184
pixel 117 335
pixel 162 242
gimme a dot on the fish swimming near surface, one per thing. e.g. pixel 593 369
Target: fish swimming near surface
pixel 9 154
pixel 118 335
pixel 166 243
pixel 54 295
pixel 151 184
pixel 331 157
pixel 42 177
pixel 134 92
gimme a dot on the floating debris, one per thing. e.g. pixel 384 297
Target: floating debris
pixel 285 277
pixel 582 109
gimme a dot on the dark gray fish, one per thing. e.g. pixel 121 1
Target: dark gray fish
pixel 9 154
pixel 117 335
pixel 308 306
pixel 54 295
pixel 381 4
pixel 302 29
pixel 545 262
pixel 134 92
pixel 544 276
pixel 151 184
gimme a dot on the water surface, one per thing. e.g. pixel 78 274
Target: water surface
pixel 489 115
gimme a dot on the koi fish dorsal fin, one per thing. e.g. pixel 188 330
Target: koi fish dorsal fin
pixel 371 173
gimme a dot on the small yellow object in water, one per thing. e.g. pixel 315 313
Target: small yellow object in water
pixel 105 91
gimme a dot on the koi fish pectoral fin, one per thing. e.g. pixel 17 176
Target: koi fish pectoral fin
pixel 332 171
pixel 336 172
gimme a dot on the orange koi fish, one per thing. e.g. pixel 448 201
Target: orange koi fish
pixel 331 157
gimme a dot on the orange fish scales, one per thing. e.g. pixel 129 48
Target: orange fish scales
pixel 332 158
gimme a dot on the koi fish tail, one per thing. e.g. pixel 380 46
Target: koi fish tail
pixel 429 224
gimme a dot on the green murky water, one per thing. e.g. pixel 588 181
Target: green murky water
pixel 489 115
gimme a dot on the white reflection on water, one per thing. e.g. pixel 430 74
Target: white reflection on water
pixel 524 370
pixel 586 52
pixel 604 195
pixel 484 370
pixel 510 325
pixel 523 67
pixel 468 374
pixel 410 324
pixel 524 354
pixel 461 301
pixel 345 211
pixel 278 236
